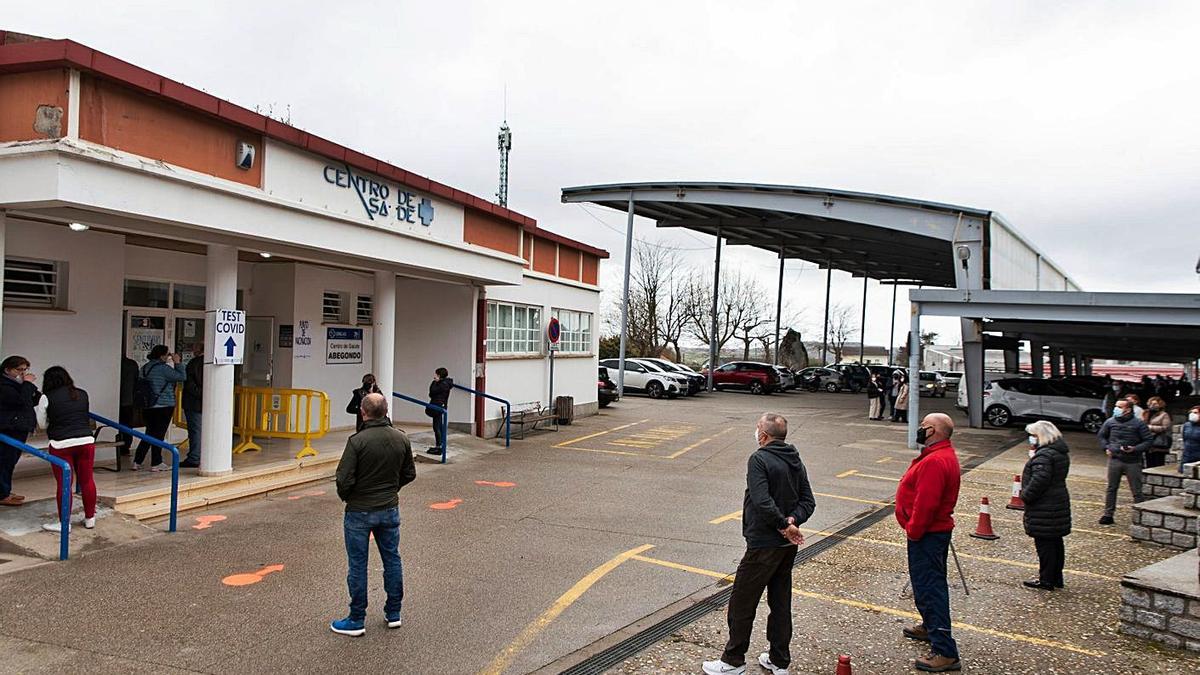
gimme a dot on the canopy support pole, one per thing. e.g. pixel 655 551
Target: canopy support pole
pixel 624 302
pixel 825 340
pixel 714 350
pixel 778 308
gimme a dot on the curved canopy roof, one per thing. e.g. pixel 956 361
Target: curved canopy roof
pixel 882 237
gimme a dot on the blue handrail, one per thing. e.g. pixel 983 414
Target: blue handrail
pixel 64 507
pixel 507 410
pixel 152 441
pixel 428 405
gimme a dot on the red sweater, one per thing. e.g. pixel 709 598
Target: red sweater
pixel 928 492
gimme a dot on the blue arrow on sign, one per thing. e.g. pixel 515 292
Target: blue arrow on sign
pixel 229 345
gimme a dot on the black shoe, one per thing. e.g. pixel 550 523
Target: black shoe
pixel 433 451
pixel 1037 585
pixel 1106 520
pixel 189 465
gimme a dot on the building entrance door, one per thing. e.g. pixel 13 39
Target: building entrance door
pixel 260 353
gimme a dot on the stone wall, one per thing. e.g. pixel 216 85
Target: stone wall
pixel 1161 616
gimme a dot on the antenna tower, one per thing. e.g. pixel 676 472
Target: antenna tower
pixel 504 143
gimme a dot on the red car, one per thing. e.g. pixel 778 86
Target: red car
pixel 758 378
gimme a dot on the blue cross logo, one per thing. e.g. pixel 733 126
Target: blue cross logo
pixel 425 212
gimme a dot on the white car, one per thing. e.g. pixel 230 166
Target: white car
pixel 787 379
pixel 696 382
pixel 961 400
pixel 638 377
pixel 953 378
pixel 679 379
pixel 1032 398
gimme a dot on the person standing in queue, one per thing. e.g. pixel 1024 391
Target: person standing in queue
pixel 925 503
pixel 1047 515
pixel 1159 421
pixel 1125 439
pixel 778 500
pixel 18 395
pixel 377 462
pixel 439 395
pixel 159 375
pixel 63 413
pixel 874 398
pixel 1190 437
pixel 193 406
pixel 127 414
pixel 356 398
pixel 900 407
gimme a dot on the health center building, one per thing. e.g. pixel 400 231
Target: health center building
pixel 133 206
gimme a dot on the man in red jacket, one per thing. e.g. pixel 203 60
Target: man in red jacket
pixel 924 508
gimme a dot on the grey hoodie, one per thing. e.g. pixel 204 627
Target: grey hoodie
pixel 776 487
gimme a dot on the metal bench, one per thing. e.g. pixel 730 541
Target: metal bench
pixel 530 415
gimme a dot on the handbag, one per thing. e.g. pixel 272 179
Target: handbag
pixel 1162 441
pixel 354 404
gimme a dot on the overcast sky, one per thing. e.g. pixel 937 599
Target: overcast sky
pixel 1078 122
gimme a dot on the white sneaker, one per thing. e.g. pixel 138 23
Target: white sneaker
pixel 54 527
pixel 719 667
pixel 395 624
pixel 764 660
pixel 89 523
pixel 160 467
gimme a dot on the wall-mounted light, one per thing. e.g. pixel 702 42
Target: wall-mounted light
pixel 264 255
pixel 78 227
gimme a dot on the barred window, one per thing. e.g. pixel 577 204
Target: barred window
pixel 365 310
pixel 513 329
pixel 334 307
pixel 576 331
pixel 35 283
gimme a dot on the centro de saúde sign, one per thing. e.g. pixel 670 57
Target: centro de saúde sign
pixel 381 201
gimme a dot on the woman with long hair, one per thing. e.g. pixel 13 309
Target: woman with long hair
pixel 369 386
pixel 63 413
pixel 1159 421
pixel 161 372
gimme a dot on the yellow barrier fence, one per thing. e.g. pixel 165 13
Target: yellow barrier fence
pixel 264 412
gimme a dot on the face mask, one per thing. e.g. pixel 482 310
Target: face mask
pixel 756 443
pixel 1194 417
pixel 1033 441
pixel 1155 408
pixel 1117 412
pixel 922 435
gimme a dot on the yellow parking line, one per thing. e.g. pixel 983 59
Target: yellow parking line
pixel 852 499
pixel 883 460
pixel 736 515
pixel 697 444
pixel 1015 473
pixel 505 657
pixel 843 474
pixel 882 609
pixel 600 433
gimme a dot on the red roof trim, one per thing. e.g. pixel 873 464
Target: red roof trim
pixel 23 56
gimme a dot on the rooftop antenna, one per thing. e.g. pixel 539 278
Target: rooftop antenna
pixel 504 143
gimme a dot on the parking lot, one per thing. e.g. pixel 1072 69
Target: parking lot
pixel 542 555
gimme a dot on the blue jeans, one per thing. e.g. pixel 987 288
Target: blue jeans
pixel 385 525
pixel 194 420
pixel 931 594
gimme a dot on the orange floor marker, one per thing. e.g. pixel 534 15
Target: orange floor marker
pixel 252 577
pixel 501 483
pixel 310 493
pixel 205 522
pixel 444 506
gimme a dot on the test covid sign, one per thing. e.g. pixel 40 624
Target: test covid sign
pixel 343 345
pixel 226 337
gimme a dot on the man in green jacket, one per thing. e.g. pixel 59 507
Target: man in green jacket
pixel 378 461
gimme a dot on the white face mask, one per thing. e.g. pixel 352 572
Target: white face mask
pixel 1033 441
pixel 756 443
pixel 1194 417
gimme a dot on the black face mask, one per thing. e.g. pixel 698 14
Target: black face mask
pixel 922 435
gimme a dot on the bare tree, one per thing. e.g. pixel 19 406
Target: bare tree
pixel 699 311
pixel 841 326
pixel 927 339
pixel 752 321
pixel 655 302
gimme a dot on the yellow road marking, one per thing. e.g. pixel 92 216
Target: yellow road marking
pixel 699 443
pixel 852 499
pixel 504 658
pixel 1016 637
pixel 843 474
pixel 868 475
pixel 1115 535
pixel 736 515
pixel 883 460
pixel 600 433
pixel 1016 473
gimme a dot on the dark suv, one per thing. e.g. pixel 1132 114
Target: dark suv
pixel 606 390
pixel 758 378
pixel 854 376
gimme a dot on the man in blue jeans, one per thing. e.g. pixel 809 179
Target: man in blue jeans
pixel 378 461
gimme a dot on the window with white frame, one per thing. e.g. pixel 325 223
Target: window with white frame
pixel 513 329
pixel 576 331
pixel 334 307
pixel 364 310
pixel 35 283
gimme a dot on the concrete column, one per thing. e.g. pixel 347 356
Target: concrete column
pixel 972 335
pixel 216 433
pixel 914 375
pixel 1068 365
pixel 383 338
pixel 1036 359
pixel 3 250
pixel 1055 362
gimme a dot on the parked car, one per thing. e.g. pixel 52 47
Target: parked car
pixel 953 378
pixel 961 401
pixel 758 378
pixel 638 377
pixel 1029 398
pixel 606 392
pixel 854 376
pixel 932 384
pixel 818 377
pixel 696 382
pixel 686 386
pixel 787 380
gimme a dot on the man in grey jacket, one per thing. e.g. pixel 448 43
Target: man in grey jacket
pixel 377 462
pixel 1125 438
pixel 778 500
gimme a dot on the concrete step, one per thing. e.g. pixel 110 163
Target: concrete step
pixel 1164 481
pixel 198 493
pixel 1161 602
pixel 1166 521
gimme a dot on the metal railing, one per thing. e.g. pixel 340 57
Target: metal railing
pixel 64 507
pixel 155 442
pixel 430 406
pixel 272 413
pixel 507 411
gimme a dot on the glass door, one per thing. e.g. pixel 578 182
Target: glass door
pixel 144 330
pixel 189 334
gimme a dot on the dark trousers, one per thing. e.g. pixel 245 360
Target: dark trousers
pixel 891 405
pixel 1052 555
pixel 125 416
pixel 931 594
pixel 8 461
pixel 195 422
pixel 438 417
pixel 158 420
pixel 1154 459
pixel 770 569
pixel 1132 471
pixel 358 527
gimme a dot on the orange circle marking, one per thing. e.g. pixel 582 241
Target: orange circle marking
pixel 247 579
pixel 445 506
pixel 496 483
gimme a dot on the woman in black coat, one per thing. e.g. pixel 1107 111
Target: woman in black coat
pixel 1047 502
pixel 18 396
pixel 353 407
pixel 439 395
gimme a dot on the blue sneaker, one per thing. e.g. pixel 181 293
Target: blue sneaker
pixel 349 627
pixel 393 620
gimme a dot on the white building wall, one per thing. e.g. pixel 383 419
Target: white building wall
pixel 272 293
pixel 434 329
pixel 522 380
pixel 85 339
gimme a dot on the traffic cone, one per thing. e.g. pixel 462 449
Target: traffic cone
pixel 1016 503
pixel 844 665
pixel 983 530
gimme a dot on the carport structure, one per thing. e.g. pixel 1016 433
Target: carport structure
pixel 894 240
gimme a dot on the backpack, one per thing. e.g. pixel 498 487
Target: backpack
pixel 144 395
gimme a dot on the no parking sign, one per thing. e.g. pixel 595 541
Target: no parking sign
pixel 553 332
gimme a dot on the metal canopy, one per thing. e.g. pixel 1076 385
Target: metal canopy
pixel 878 236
